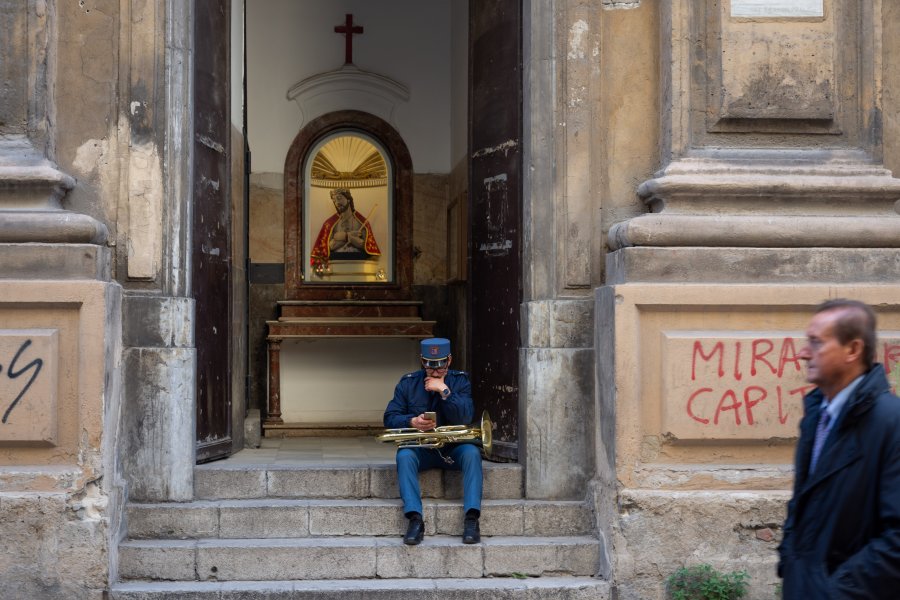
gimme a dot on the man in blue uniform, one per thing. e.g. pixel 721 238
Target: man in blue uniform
pixel 448 394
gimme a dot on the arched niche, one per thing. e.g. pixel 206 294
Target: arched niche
pixel 385 273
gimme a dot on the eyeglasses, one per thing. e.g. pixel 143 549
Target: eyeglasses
pixel 440 363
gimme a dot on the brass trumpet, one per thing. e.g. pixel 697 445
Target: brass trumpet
pixel 410 437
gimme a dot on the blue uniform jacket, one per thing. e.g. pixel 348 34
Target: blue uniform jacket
pixel 411 399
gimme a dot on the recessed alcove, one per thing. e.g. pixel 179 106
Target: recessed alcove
pixel 348 316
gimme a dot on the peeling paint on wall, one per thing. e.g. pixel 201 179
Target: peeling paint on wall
pixel 145 195
pixel 621 4
pixel 89 504
pixel 577 39
pixel 505 147
pixel 89 156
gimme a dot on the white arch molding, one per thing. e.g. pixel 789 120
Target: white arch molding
pixel 348 88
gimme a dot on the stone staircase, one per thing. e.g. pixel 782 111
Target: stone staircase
pixel 328 533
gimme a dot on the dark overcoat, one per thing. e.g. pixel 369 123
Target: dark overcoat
pixel 411 399
pixel 842 533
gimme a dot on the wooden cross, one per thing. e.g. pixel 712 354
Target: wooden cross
pixel 348 30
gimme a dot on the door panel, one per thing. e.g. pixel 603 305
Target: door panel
pixel 495 289
pixel 211 251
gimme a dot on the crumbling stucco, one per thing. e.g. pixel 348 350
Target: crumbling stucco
pixel 621 4
pixel 145 195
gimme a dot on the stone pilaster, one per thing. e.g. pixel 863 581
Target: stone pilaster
pixel 60 337
pixel 159 397
pixel 561 253
pixel 771 197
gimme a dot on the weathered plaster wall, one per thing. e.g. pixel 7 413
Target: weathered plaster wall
pixel 661 531
pixel 54 549
pixel 60 495
pixel 153 257
pixel 629 114
pixel 747 185
pixel 85 81
pixel 563 246
pixel 122 90
pixel 113 89
pixel 430 199
pixel 710 487
pixel 891 97
pixel 60 498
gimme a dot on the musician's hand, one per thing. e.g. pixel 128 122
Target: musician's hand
pixel 435 384
pixel 423 424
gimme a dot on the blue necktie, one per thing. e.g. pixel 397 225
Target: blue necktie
pixel 821 434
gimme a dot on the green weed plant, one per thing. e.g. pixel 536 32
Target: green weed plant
pixel 702 582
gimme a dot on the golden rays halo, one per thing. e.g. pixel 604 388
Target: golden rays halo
pixel 348 161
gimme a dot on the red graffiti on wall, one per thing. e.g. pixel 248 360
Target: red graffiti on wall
pixel 746 381
pixel 760 350
pixel 750 397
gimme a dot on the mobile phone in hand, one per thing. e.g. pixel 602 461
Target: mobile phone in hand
pixel 431 416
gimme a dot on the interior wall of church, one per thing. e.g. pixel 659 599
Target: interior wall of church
pixel 458 184
pixel 405 40
pixel 424 47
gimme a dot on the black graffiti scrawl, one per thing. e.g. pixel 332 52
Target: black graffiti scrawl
pixel 14 371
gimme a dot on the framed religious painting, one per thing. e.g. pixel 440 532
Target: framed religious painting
pixel 348 211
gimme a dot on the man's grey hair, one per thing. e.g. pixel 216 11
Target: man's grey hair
pixel 856 320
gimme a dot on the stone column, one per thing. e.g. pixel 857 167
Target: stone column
pixel 60 333
pixel 561 257
pixel 159 437
pixel 771 197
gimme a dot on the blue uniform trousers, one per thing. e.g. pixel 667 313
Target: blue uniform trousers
pixel 466 457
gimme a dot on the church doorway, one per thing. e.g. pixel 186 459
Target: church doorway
pixel 424 70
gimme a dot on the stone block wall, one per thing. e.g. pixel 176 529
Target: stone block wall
pixel 59 488
pixel 699 406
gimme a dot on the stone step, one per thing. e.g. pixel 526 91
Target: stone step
pixel 355 558
pixel 278 518
pixel 544 588
pixel 214 482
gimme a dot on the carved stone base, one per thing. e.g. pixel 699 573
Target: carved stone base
pixel 767 199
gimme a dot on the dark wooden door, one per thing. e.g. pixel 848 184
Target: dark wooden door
pixel 495 290
pixel 211 246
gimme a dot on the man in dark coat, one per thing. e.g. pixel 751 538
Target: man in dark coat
pixel 448 394
pixel 842 533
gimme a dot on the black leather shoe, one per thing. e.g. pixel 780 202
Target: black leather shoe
pixel 415 531
pixel 471 531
